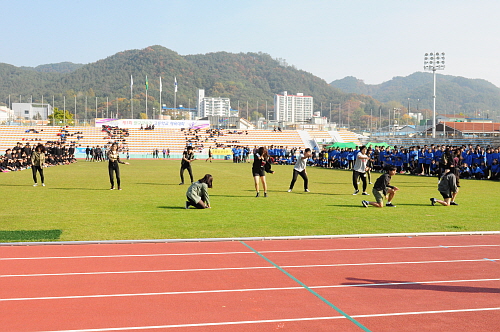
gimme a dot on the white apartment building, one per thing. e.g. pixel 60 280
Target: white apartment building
pixel 31 111
pixel 212 106
pixel 293 108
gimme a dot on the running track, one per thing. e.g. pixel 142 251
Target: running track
pixel 431 283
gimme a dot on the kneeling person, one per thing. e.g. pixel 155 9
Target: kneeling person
pixel 447 188
pixel 382 189
pixel 197 193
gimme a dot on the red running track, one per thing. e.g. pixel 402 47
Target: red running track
pixel 434 283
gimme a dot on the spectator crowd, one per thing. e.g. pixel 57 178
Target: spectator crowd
pixel 19 157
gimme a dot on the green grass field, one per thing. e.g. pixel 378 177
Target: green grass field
pixel 77 204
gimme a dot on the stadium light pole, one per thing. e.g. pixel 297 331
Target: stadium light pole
pixel 434 61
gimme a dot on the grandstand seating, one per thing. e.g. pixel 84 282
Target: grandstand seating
pixel 348 136
pixel 321 137
pixel 141 143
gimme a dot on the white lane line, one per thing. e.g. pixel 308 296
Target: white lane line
pixel 243 290
pixel 426 312
pixel 242 252
pixel 240 268
pixel 136 328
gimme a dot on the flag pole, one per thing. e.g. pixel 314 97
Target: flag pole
pixel 160 98
pixel 147 96
pixel 131 93
pixel 175 92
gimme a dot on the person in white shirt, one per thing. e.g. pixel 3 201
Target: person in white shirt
pixel 359 170
pixel 300 169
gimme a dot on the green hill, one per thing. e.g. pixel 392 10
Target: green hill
pixel 453 94
pixel 62 67
pixel 251 78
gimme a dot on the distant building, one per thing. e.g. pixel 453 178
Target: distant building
pixel 293 108
pixel 451 118
pixel 211 106
pixel 31 111
pixel 466 129
pixel 5 114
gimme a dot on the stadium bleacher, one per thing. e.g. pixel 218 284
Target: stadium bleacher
pixel 142 143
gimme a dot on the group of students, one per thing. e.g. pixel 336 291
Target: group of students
pixel 382 189
pixel 472 162
pixel 197 193
pixel 36 157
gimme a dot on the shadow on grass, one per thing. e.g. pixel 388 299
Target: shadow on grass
pixel 159 184
pixel 331 194
pixel 76 189
pixel 408 285
pixel 172 207
pixel 14 185
pixel 347 205
pixel 414 204
pixel 232 196
pixel 30 236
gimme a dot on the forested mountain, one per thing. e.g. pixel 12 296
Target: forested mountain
pixel 453 94
pixel 62 67
pixel 248 79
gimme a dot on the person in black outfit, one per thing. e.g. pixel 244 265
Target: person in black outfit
pixel 187 158
pixel 37 162
pixel 114 160
pixel 260 167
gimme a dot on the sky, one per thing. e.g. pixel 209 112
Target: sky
pixel 372 40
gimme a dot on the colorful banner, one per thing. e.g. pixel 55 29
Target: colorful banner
pixel 221 152
pixel 136 123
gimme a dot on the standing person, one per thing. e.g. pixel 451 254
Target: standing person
pixel 98 153
pixel 197 193
pixel 447 187
pixel 359 170
pixel 113 161
pixel 209 155
pixel 187 158
pixel 260 167
pixel 87 153
pixel 382 189
pixel 300 169
pixel 37 161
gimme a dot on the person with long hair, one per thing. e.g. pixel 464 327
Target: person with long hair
pixel 114 160
pixel 447 187
pixel 197 193
pixel 260 167
pixel 37 162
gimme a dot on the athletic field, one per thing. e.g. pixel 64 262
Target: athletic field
pixel 77 205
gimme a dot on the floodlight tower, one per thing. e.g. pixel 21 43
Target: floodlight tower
pixel 434 61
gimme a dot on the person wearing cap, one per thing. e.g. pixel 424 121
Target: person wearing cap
pixel 447 187
pixel 187 158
